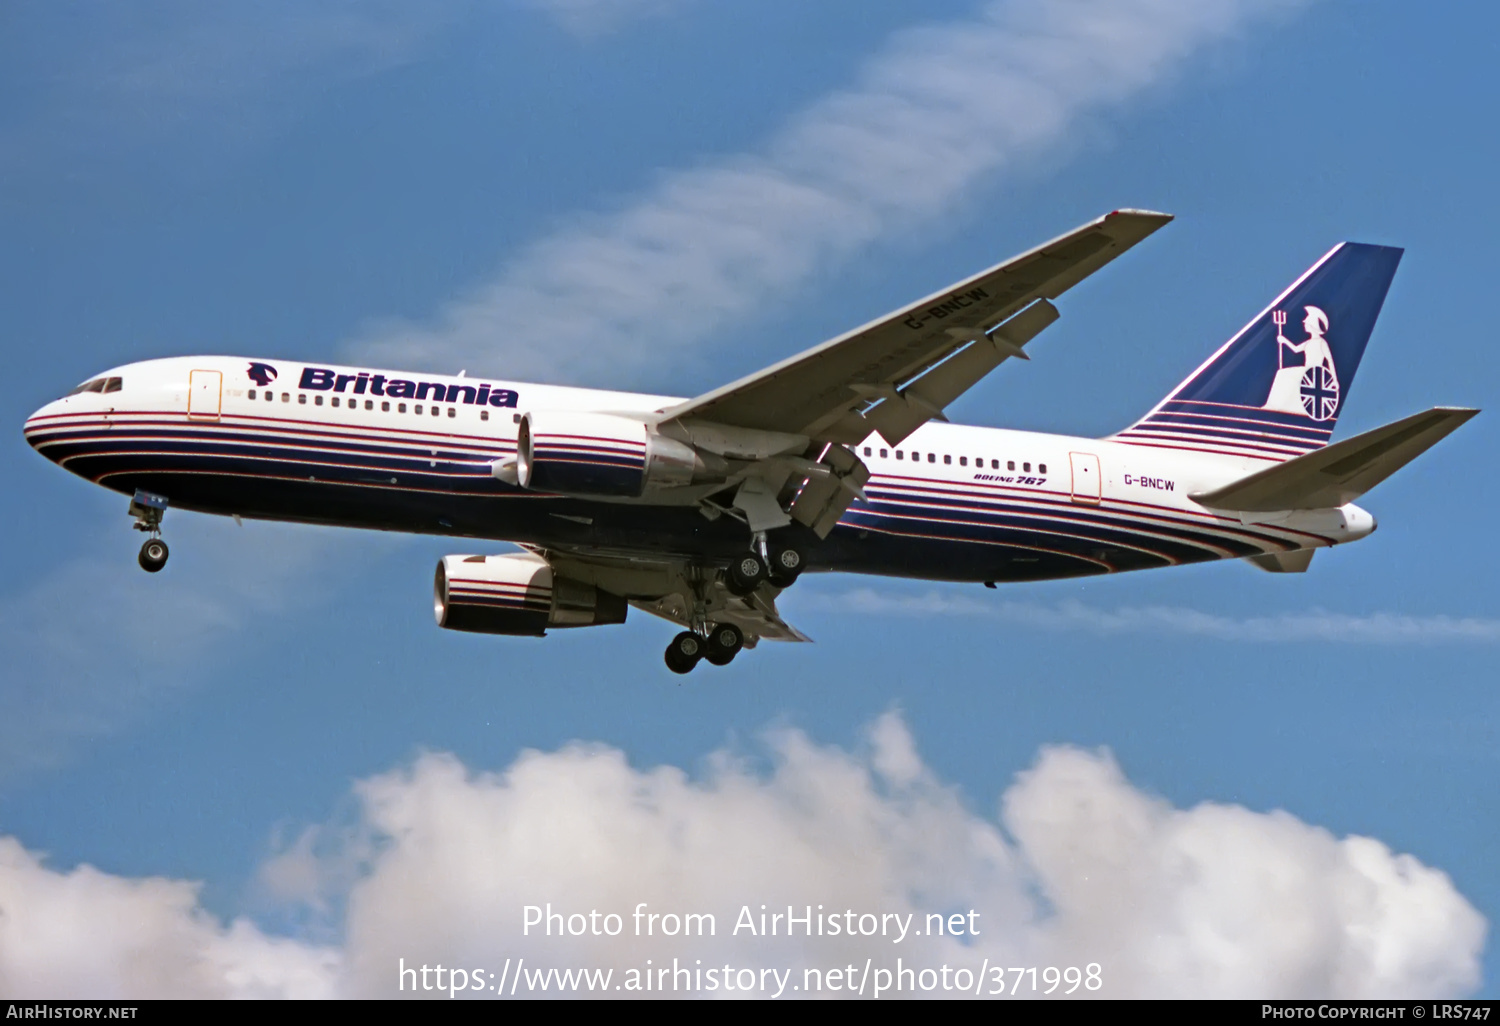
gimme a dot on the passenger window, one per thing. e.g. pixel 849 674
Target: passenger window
pixel 1026 467
pixel 1010 464
pixel 334 401
pixel 400 407
pixel 417 408
pixel 867 450
pixel 251 393
pixel 898 454
pixel 301 398
pixel 882 454
pixel 515 418
pixel 369 404
pixel 994 464
pixel 437 412
pixel 963 461
pixel 317 400
pixel 932 457
pixel 286 398
pixel 484 414
pixel 385 407
pixel 1041 468
pixel 947 459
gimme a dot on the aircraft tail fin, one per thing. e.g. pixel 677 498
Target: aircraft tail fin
pixel 1341 472
pixel 1274 391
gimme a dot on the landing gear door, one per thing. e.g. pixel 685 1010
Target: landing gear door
pixel 1086 485
pixel 205 391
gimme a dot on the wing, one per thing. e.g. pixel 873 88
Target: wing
pixel 891 374
pixel 754 614
pixel 671 588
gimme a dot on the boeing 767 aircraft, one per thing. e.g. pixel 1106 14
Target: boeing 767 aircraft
pixel 701 511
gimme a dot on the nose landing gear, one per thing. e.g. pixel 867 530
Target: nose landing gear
pixel 148 510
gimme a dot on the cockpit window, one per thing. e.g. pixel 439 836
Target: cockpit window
pixel 97 385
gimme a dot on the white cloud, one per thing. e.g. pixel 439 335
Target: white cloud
pixel 937 112
pixel 1311 625
pixel 90 934
pixel 1078 867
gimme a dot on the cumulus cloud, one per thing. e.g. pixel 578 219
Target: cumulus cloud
pixel 1078 866
pixel 941 109
pixel 1072 615
pixel 86 933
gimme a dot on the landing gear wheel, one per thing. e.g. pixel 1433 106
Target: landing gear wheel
pixel 745 573
pixel 684 652
pixel 724 643
pixel 787 563
pixel 153 555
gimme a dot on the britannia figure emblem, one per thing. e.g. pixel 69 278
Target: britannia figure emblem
pixel 1306 382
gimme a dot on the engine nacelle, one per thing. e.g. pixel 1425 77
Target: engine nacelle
pixel 605 455
pixel 516 594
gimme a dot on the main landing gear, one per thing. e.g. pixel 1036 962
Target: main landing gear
pixel 779 562
pixel 148 510
pixel 775 560
pixel 721 644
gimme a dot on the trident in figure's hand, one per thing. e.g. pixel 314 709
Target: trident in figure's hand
pixel 1278 317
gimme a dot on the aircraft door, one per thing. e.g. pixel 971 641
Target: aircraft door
pixel 205 391
pixel 1086 480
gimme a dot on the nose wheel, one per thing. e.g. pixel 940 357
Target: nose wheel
pixel 153 555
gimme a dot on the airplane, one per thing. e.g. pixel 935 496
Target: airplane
pixel 840 458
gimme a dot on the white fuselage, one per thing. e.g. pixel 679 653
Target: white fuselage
pixel 376 449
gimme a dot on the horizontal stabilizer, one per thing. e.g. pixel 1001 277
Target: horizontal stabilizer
pixel 1340 473
pixel 1295 562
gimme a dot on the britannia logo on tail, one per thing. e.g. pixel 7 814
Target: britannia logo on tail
pixel 1307 382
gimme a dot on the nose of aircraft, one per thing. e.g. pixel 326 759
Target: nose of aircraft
pixel 35 422
pixel 42 426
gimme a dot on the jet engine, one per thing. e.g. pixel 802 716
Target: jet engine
pixel 604 455
pixel 516 594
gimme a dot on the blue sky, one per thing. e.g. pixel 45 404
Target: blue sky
pixel 561 191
